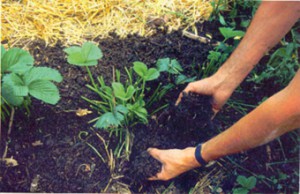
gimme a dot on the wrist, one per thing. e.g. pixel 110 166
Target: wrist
pixel 190 157
pixel 226 80
pixel 205 153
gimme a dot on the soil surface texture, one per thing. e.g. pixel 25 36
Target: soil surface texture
pixel 58 151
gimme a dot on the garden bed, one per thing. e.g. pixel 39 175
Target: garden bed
pixel 60 150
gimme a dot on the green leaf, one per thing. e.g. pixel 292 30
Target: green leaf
pixel 109 119
pixel 214 56
pixel 222 20
pixel 16 60
pixel 163 64
pixel 181 79
pixel 240 190
pixel 2 51
pixel 108 91
pixel 129 92
pixel 168 65
pixel 242 180
pixel 87 55
pixel 119 90
pixel 251 182
pixel 44 90
pixel 140 68
pixel 175 67
pixel 42 73
pixel 120 93
pixel 122 109
pixel 17 85
pixel 248 183
pixel 245 23
pixel 152 74
pixel 112 118
pixel 139 110
pixel 8 94
pixel 230 33
pixel 72 49
pixel 91 51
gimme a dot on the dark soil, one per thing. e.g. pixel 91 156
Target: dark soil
pixel 66 160
pixel 178 127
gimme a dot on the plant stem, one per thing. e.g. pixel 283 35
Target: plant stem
pixel 143 87
pixel 91 77
pixel 12 114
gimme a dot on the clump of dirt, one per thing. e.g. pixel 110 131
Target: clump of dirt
pixel 183 127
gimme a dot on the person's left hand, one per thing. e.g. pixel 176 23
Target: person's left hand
pixel 174 162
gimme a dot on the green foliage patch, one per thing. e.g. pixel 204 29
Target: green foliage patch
pixel 20 80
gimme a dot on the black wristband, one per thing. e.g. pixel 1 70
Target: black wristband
pixel 198 155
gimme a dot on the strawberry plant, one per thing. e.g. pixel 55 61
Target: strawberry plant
pixel 21 80
pixel 85 56
pixel 123 105
pixel 175 76
pixel 246 184
pixel 173 67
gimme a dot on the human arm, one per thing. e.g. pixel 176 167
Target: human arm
pixel 274 117
pixel 270 23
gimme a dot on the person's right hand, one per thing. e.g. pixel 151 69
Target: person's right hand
pixel 212 86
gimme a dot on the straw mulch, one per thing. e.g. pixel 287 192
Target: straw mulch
pixel 75 21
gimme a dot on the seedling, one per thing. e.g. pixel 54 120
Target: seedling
pixel 174 70
pixel 87 55
pixel 230 33
pixel 123 105
pixel 171 66
pixel 246 184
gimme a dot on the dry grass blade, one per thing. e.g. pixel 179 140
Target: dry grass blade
pixel 74 21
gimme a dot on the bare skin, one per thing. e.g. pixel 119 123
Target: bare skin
pixel 276 116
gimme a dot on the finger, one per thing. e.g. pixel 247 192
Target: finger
pixel 154 152
pixel 158 176
pixel 215 108
pixel 215 111
pixel 178 99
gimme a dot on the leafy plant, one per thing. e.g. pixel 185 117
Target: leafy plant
pixel 175 76
pixel 124 104
pixel 173 67
pixel 87 55
pixel 245 184
pixel 230 33
pixel 283 62
pixel 21 80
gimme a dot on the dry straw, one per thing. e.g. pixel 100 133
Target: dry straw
pixel 74 21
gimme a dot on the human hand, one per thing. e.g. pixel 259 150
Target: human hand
pixel 174 162
pixel 213 86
